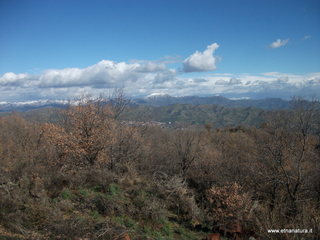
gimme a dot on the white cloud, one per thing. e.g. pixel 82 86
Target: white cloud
pixel 279 43
pixel 201 61
pixel 104 74
pixel 98 78
pixel 231 81
pixel 234 81
pixel 147 77
pixel 11 79
pixel 146 67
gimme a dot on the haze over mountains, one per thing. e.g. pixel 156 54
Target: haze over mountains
pixel 159 101
pixel 165 100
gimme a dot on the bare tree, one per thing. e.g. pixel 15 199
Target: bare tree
pixel 286 150
pixel 186 148
pixel 125 145
pixel 118 101
pixel 84 132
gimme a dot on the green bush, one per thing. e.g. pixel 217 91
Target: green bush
pixel 67 194
pixel 114 189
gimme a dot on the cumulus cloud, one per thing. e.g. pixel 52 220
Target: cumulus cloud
pixel 201 61
pixel 105 73
pixel 147 77
pixel 150 67
pixel 11 79
pixel 274 84
pixel 97 78
pixel 231 81
pixel 221 82
pixel 234 81
pixel 279 43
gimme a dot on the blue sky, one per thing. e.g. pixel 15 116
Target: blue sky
pixel 59 49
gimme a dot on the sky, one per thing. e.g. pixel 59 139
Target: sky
pixel 58 49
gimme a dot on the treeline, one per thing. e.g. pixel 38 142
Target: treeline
pixel 89 175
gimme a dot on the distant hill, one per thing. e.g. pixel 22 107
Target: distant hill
pixel 165 100
pixel 161 100
pixel 215 110
pixel 31 105
pixel 216 115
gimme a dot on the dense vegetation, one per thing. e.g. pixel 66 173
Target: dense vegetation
pixel 166 100
pixel 86 174
pixel 215 115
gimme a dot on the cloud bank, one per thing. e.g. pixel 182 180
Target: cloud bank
pixel 201 61
pixel 149 77
pixel 142 78
pixel 278 43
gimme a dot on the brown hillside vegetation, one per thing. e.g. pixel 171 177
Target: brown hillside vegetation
pixel 91 176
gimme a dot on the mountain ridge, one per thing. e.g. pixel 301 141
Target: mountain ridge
pixel 161 100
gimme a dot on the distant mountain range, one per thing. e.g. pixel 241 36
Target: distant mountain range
pixel 166 100
pixel 218 116
pixel 170 111
pixel 159 101
pixel 31 105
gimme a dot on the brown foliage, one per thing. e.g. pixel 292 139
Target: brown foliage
pixel 83 134
pixel 70 179
pixel 227 202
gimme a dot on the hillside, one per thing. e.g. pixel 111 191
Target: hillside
pixel 215 115
pixel 166 100
pixel 159 101
pixel 219 116
pixel 82 173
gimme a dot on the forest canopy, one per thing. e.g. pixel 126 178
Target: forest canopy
pixel 91 175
